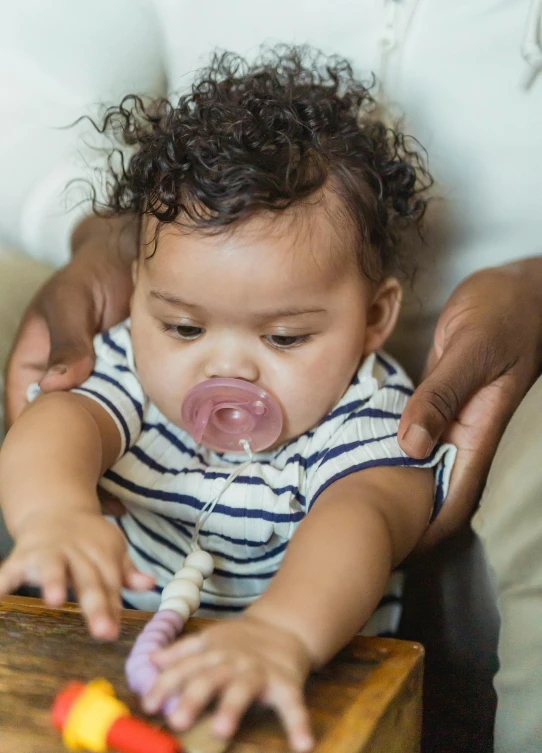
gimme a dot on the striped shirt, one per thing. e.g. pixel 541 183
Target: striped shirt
pixel 164 479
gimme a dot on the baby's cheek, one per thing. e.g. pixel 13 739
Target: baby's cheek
pixel 162 381
pixel 304 407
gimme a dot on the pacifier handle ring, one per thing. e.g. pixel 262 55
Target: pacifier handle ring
pixel 219 412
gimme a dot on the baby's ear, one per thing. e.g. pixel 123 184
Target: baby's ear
pixel 382 314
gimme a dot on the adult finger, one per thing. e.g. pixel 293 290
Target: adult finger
pixel 466 365
pixel 476 435
pixel 70 313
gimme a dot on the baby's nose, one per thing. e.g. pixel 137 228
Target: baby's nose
pixel 232 363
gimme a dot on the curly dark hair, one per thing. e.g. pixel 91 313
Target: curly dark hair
pixel 266 136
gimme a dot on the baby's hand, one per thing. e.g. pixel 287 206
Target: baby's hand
pixel 237 662
pixel 80 548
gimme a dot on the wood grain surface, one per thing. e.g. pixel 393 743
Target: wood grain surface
pixel 367 700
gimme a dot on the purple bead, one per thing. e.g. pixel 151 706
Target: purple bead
pixel 136 662
pixel 158 633
pixel 146 680
pixel 148 646
pixel 169 617
pixel 163 633
pixel 142 681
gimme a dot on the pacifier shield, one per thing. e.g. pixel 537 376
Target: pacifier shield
pixel 220 413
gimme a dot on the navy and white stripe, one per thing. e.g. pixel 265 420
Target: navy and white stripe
pixel 164 479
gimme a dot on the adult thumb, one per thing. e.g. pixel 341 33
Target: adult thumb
pixel 71 322
pixel 457 375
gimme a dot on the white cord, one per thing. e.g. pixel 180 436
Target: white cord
pixel 208 507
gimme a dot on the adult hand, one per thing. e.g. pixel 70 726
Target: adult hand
pixel 54 342
pixel 486 354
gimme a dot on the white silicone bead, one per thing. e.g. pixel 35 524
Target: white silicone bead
pixel 201 561
pixel 176 604
pixel 190 573
pixel 184 589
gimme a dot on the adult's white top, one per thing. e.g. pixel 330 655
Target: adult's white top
pixel 467 74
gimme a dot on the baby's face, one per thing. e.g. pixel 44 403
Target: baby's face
pixel 276 302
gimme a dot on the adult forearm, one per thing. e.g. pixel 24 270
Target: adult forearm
pixel 530 272
pixel 518 288
pixel 52 452
pixel 116 235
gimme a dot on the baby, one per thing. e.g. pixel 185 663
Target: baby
pixel 270 203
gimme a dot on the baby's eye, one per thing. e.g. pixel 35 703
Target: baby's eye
pixel 285 342
pixel 184 331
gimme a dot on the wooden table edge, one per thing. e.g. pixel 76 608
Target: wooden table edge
pixel 400 660
pixel 385 682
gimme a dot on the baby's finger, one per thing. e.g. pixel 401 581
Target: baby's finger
pixel 180 650
pixel 289 704
pixel 176 676
pixel 198 694
pixel 93 597
pixel 12 575
pixel 111 575
pixel 53 580
pixel 236 699
pixel 133 578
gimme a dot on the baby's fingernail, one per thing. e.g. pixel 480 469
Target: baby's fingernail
pixel 57 370
pixel 170 705
pixel 222 726
pixel 103 627
pixel 180 718
pixel 149 705
pixel 304 743
pixel 54 595
pixel 140 580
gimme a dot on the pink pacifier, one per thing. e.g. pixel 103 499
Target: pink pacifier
pixel 221 413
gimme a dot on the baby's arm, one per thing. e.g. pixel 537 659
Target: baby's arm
pixel 337 566
pixel 50 465
pixel 332 577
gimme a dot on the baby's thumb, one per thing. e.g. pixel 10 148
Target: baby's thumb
pixel 133 578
